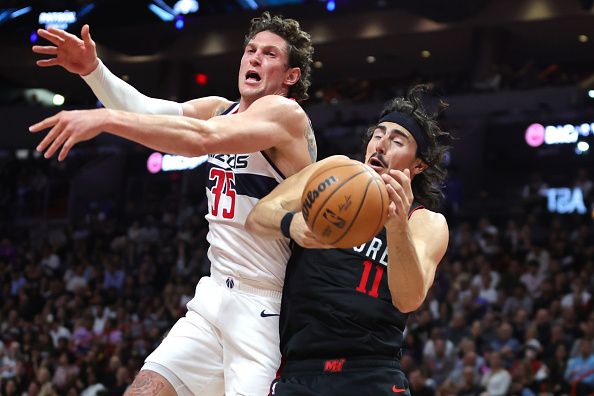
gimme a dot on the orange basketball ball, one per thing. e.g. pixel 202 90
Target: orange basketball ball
pixel 345 203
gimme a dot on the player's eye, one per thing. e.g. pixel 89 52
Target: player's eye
pixel 378 133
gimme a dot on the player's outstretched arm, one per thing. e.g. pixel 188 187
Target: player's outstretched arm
pixel 265 218
pixel 79 56
pixel 272 121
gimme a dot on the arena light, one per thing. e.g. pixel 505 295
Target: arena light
pixel 248 4
pixel 176 14
pixel 185 7
pixel 164 6
pixel 21 154
pixel 565 200
pixel 582 147
pixel 179 22
pixel 537 134
pixel 158 162
pixel 58 20
pixel 161 13
pixel 19 12
pixel 7 14
pixel 591 93
pixel 39 96
pixel 58 100
pixel 4 15
pixel 201 79
pixel 331 5
pixel 85 10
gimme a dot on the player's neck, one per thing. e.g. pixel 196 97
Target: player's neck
pixel 245 101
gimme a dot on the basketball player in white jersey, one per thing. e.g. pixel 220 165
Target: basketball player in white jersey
pixel 228 341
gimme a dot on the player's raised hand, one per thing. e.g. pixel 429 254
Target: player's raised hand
pixel 67 129
pixel 73 54
pixel 398 185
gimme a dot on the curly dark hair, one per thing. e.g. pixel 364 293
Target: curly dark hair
pixel 299 45
pixel 427 185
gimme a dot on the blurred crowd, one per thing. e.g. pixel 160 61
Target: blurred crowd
pixel 82 305
pixel 494 78
pixel 510 312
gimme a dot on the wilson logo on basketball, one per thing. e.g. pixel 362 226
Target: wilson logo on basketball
pixel 312 195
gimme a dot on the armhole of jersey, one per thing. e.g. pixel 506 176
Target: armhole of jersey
pixel 231 109
pixel 414 207
pixel 273 165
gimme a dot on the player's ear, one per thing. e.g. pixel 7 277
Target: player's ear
pixel 292 76
pixel 418 167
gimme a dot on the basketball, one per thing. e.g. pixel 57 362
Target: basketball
pixel 345 203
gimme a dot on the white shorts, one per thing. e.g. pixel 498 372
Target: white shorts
pixel 228 342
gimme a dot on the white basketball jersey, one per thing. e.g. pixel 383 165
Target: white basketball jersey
pixel 235 183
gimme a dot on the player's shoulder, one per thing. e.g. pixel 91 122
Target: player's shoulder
pixel 286 113
pixel 428 219
pixel 279 103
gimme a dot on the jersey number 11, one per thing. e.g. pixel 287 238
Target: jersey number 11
pixel 379 272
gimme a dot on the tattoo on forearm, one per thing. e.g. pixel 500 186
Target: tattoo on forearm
pixel 311 143
pixel 146 383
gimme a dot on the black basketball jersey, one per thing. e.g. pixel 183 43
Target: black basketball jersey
pixel 336 303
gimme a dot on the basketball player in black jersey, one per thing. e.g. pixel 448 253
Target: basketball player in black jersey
pixel 344 311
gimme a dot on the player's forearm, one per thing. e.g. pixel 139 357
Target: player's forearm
pixel 171 134
pixel 116 94
pixel 406 278
pixel 265 220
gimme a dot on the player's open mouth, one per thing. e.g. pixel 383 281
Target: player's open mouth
pixel 377 164
pixel 252 76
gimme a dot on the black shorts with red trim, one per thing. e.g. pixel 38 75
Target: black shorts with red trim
pixel 344 377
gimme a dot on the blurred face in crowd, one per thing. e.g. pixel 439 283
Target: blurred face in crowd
pixel 585 348
pixel 531 353
pixel 468 374
pixel 415 378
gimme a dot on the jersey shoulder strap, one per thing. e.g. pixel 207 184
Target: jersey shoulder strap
pixel 231 108
pixel 415 205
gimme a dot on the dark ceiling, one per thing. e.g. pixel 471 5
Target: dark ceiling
pixel 461 35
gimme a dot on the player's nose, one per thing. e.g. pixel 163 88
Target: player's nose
pixel 255 59
pixel 380 147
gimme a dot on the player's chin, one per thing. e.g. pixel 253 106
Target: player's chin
pixel 245 88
